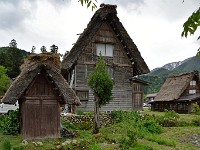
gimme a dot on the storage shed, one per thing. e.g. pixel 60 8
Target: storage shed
pixel 40 90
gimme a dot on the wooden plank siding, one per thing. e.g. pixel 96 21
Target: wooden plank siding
pixel 119 67
pixel 40 110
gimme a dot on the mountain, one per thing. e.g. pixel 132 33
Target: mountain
pixel 158 75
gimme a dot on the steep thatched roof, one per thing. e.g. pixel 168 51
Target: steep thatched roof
pixel 174 86
pixel 106 14
pixel 34 65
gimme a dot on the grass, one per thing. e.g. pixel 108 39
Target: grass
pixel 171 138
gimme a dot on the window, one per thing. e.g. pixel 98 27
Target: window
pixel 192 83
pixel 192 91
pixel 82 95
pixel 105 49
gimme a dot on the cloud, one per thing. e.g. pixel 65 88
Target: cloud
pixel 14 13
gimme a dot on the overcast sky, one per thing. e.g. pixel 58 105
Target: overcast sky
pixel 154 25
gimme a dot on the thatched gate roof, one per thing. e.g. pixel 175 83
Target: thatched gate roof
pixel 174 86
pixel 106 14
pixel 33 65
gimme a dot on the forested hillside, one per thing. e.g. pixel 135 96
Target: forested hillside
pixel 12 58
pixel 158 76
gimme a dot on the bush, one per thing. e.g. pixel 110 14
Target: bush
pixel 128 141
pixel 170 119
pixel 196 108
pixel 10 123
pixel 151 124
pixel 68 125
pixel 196 121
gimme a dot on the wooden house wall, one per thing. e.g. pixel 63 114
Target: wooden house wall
pixel 119 67
pixel 191 87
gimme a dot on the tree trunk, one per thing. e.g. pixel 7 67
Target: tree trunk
pixel 96 114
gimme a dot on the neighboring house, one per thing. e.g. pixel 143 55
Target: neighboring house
pixel 178 93
pixel 106 34
pixel 40 90
pixel 150 97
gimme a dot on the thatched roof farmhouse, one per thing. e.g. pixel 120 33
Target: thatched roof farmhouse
pixel 106 34
pixel 178 93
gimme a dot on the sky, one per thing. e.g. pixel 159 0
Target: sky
pixel 155 26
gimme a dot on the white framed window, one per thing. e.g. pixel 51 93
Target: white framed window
pixel 105 49
pixel 192 91
pixel 193 83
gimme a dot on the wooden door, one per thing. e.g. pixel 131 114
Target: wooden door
pixel 40 110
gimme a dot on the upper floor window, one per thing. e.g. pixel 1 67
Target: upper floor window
pixel 192 91
pixel 193 83
pixel 105 49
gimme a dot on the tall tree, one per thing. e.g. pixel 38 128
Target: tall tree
pixel 101 84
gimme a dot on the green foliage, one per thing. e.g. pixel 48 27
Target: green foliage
pixel 5 81
pixel 191 25
pixel 95 146
pixel 6 145
pixel 151 124
pixel 88 3
pixel 128 141
pixel 79 112
pixel 169 119
pixel 100 82
pixel 157 139
pixel 196 121
pixel 12 58
pixel 10 123
pixel 144 124
pixel 196 108
pixel 155 83
pixel 68 124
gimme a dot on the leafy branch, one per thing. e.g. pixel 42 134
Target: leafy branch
pixel 191 25
pixel 89 3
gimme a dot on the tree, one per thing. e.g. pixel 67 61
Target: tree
pixel 54 48
pixel 191 25
pixel 33 49
pixel 5 81
pixel 101 84
pixel 13 43
pixel 43 49
pixel 88 3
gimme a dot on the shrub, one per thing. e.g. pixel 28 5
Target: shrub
pixel 128 141
pixel 10 123
pixel 196 108
pixel 196 121
pixel 170 119
pixel 151 124
pixel 68 124
pixel 79 112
